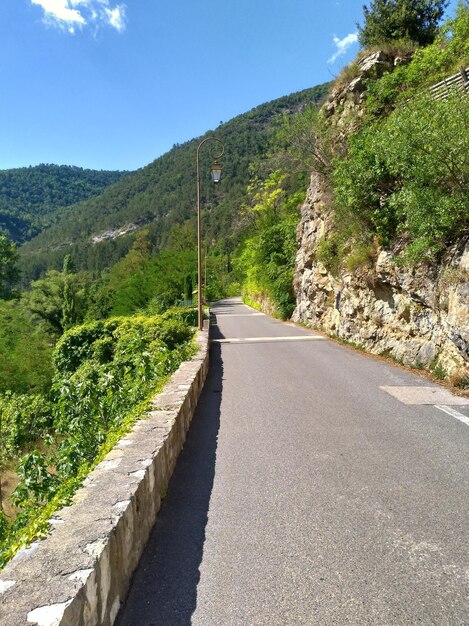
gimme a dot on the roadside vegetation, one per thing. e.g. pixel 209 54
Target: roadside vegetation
pixel 89 331
pixel 103 375
pixel 400 177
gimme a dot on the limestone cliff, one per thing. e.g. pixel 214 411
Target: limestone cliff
pixel 418 315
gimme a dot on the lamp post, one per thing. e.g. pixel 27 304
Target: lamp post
pixel 216 175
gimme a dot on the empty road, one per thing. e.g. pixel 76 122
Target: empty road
pixel 317 486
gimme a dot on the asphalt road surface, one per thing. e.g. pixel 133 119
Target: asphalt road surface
pixel 317 486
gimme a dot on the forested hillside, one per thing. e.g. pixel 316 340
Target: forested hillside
pixel 161 195
pixel 33 198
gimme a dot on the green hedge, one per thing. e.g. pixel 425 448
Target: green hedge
pixel 104 371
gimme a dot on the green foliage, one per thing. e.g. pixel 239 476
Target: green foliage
pixel 159 279
pixel 297 143
pixel 36 482
pixel 25 351
pixel 173 333
pixel 23 420
pixel 410 175
pixel 80 343
pixel 330 252
pixel 8 269
pixel 105 369
pixel 59 299
pixel 104 372
pixel 428 65
pixel 387 20
pixel 266 258
pixel 32 198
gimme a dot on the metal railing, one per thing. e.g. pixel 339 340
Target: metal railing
pixel 459 81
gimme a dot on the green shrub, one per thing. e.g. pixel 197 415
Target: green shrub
pixel 173 333
pixel 77 345
pixel 105 371
pixel 428 66
pixel 186 315
pixel 267 261
pixel 331 251
pixel 409 175
pixel 23 420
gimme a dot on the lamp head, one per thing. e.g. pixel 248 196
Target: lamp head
pixel 216 172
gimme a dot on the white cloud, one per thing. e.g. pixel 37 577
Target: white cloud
pixel 342 45
pixel 116 17
pixel 72 14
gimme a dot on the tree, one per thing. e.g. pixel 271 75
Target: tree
pixel 59 298
pixel 390 20
pixel 8 271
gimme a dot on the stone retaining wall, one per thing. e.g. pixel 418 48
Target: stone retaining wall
pixel 79 574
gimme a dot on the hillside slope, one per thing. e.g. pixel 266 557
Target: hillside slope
pixel 383 254
pixel 33 198
pixel 99 231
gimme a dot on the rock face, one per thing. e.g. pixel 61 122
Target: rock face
pixel 419 316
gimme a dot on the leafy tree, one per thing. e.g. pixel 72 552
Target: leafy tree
pixel 388 20
pixel 265 260
pixel 297 143
pixel 429 65
pixel 8 270
pixel 25 351
pixel 59 298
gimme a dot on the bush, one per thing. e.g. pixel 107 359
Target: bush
pixel 186 315
pixel 173 333
pixel 409 175
pixel 105 370
pixel 78 344
pixel 23 420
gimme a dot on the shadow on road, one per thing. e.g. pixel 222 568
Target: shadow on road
pixel 164 588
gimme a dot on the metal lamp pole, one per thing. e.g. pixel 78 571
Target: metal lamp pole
pixel 216 175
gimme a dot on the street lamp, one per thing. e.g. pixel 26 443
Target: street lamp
pixel 216 175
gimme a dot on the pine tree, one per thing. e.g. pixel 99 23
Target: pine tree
pixel 391 20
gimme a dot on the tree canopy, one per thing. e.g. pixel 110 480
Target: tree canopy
pixel 389 20
pixel 8 272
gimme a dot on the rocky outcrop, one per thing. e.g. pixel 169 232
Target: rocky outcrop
pixel 419 316
pixel 114 234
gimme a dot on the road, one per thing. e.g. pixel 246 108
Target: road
pixel 308 492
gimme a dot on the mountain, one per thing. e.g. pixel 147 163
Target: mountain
pixel 33 198
pixel 99 231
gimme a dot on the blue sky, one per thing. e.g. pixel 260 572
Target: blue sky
pixel 109 84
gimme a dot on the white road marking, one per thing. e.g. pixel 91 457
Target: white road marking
pixel 239 314
pixel 268 339
pixel 412 394
pixel 459 416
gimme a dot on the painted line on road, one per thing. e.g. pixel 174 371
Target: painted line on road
pixel 413 394
pixel 238 314
pixel 450 411
pixel 268 339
